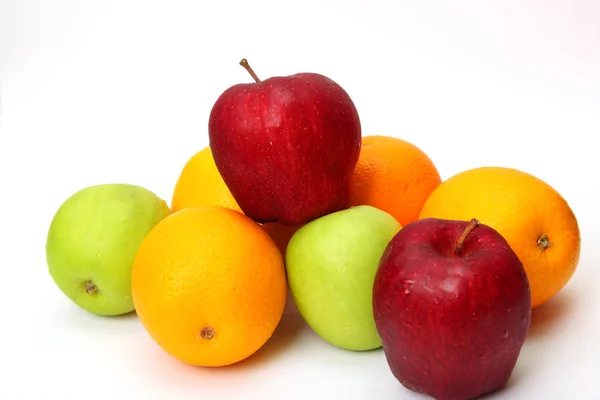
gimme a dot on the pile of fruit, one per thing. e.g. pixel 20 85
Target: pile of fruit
pixel 376 251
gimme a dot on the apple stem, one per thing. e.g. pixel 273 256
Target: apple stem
pixel 244 63
pixel 90 287
pixel 461 240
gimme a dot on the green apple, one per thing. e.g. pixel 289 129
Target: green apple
pixel 331 264
pixel 92 242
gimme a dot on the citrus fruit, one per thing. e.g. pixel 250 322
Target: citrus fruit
pixel 533 217
pixel 92 242
pixel 209 286
pixel 394 176
pixel 201 184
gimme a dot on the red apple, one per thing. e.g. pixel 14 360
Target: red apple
pixel 287 146
pixel 452 306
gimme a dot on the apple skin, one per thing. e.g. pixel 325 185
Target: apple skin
pixel 286 147
pixel 331 263
pixel 92 242
pixel 452 326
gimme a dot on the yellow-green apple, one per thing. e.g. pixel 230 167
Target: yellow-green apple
pixel 331 263
pixel 286 146
pixel 93 239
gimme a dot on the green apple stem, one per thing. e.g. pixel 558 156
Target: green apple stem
pixel 461 240
pixel 90 287
pixel 244 63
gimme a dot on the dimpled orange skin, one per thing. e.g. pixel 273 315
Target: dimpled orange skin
pixel 209 286
pixel 201 184
pixel 528 212
pixel 394 176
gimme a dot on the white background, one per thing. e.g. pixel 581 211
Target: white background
pixel 120 90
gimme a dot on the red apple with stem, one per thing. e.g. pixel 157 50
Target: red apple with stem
pixel 452 306
pixel 286 146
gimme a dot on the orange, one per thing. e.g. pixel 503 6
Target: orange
pixel 533 217
pixel 394 176
pixel 201 184
pixel 209 286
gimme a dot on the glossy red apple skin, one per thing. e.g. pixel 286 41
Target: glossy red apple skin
pixel 286 147
pixel 452 327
